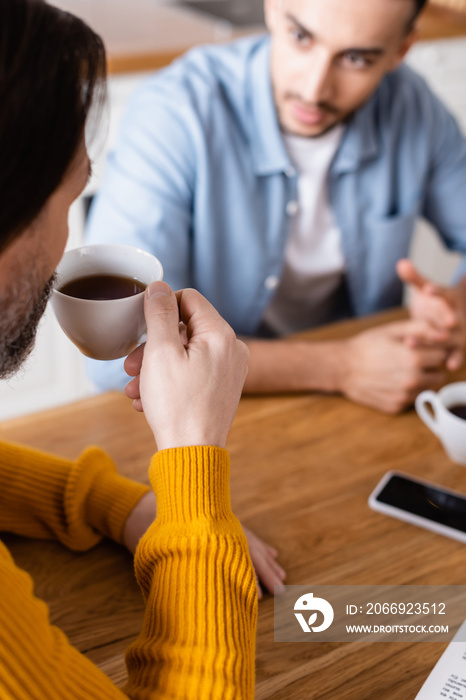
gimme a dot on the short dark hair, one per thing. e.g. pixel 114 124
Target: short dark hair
pixel 52 71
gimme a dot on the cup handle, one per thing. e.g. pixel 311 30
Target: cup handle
pixel 424 398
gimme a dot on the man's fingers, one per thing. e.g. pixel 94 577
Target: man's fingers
pixel 452 341
pixel 435 303
pixel 433 290
pixel 162 316
pixel 409 274
pixel 137 405
pixel 442 313
pixel 132 390
pixel 441 310
pixel 418 331
pixel 280 572
pixel 267 570
pixel 197 313
pixel 270 574
pixel 432 358
pixel 183 333
pixel 455 360
pixel 133 362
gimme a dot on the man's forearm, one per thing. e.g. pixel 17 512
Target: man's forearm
pixel 278 365
pixel 74 501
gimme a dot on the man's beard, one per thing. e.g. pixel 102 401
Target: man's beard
pixel 23 307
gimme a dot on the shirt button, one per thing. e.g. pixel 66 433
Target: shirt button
pixel 292 208
pixel 290 172
pixel 271 282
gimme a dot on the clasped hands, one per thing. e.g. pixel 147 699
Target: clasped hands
pixel 387 366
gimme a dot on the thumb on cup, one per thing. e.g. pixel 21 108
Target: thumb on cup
pixel 162 315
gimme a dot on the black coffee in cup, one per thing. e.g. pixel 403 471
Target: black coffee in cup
pixel 102 287
pixel 99 297
pixel 458 409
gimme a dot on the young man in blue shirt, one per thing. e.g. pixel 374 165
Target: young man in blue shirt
pixel 282 176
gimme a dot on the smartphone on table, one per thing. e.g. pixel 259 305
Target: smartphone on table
pixel 421 503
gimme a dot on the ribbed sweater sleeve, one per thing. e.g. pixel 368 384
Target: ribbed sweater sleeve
pixel 75 502
pixel 193 566
pixel 196 575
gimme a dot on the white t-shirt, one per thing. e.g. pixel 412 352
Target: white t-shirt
pixel 314 262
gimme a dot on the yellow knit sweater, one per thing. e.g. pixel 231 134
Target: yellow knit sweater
pixel 193 567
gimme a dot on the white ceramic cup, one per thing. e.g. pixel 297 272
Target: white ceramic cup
pixel 450 429
pixel 104 329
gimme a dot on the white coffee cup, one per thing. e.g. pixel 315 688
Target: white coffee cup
pixel 450 429
pixel 104 329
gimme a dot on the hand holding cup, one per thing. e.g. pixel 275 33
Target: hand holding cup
pixel 188 379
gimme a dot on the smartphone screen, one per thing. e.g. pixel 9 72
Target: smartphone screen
pixel 425 501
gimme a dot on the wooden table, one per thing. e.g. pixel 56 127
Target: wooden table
pixel 302 469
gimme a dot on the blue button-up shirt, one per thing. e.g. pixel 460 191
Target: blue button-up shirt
pixel 201 178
